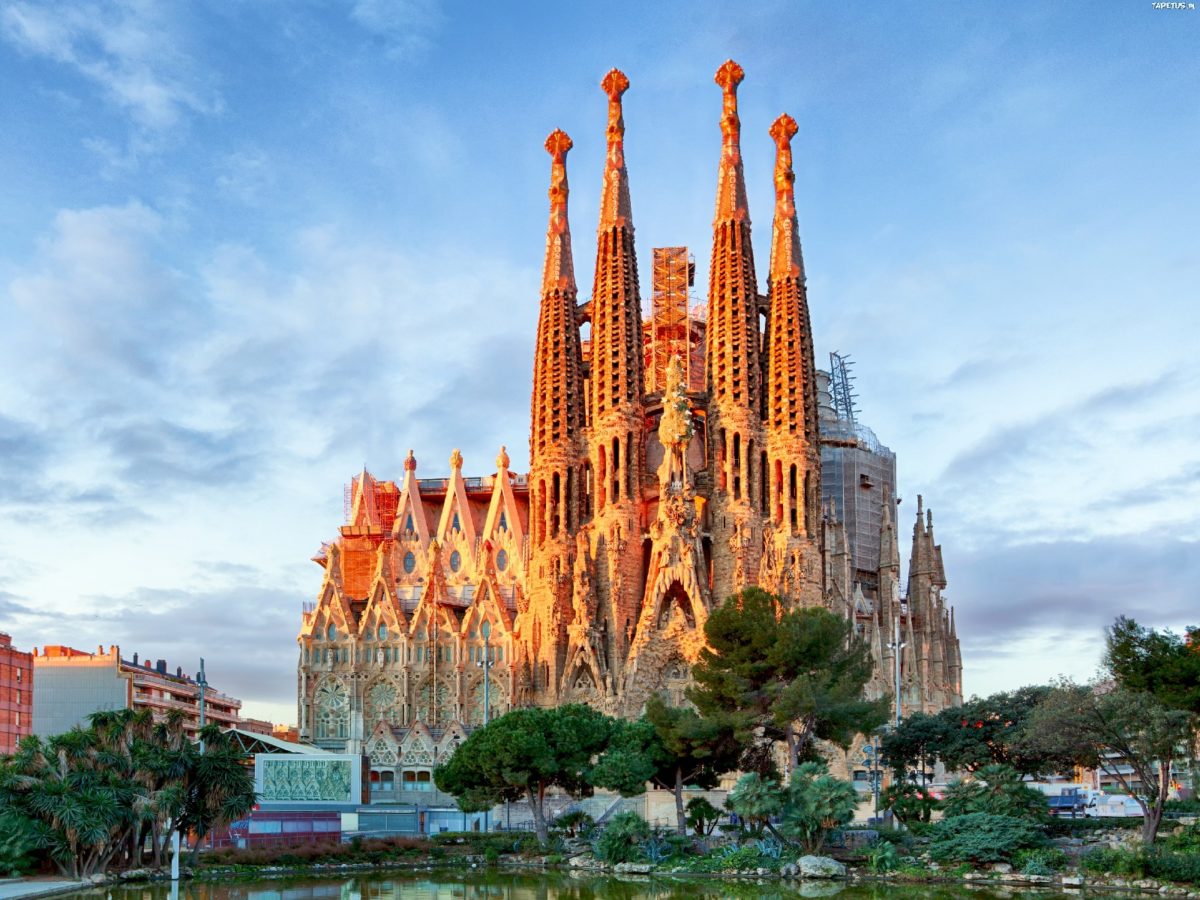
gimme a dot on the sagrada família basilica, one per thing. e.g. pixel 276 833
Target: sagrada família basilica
pixel 656 488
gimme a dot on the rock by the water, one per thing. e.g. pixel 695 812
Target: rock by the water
pixel 821 867
pixel 631 868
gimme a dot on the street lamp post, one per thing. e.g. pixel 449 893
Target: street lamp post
pixel 203 685
pixel 896 646
pixel 486 664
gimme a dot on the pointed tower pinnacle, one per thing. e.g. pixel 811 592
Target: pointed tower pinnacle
pixel 786 260
pixel 559 270
pixel 557 408
pixel 731 183
pixel 615 207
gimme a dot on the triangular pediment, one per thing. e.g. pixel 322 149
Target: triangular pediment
pixel 383 606
pixel 504 513
pixel 456 523
pixel 411 526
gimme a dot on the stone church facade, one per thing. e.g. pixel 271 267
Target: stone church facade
pixel 590 578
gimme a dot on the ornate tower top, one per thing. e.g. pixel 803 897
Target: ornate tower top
pixel 502 460
pixel 559 270
pixel 615 208
pixel 410 462
pixel 786 259
pixel 731 183
pixel 456 459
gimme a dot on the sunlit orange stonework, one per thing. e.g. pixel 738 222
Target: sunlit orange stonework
pixel 593 575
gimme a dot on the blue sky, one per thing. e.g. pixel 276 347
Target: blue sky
pixel 247 247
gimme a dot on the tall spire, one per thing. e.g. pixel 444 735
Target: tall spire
pixel 557 414
pixel 733 353
pixel 616 442
pixel 616 302
pixel 791 389
pixel 559 270
pixel 731 183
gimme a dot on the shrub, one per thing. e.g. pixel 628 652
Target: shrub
pixel 982 838
pixel 491 855
pixel 656 849
pixel 1039 861
pixel 883 857
pixel 1160 862
pixel 18 841
pixel 622 838
pixel 998 790
pixel 1114 861
pixel 730 858
pixel 1181 867
pixel 1189 807
pixel 815 803
pixel 1185 840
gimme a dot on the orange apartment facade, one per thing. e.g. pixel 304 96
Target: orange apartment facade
pixel 16 694
pixel 74 684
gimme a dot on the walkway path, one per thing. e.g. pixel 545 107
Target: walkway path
pixel 24 888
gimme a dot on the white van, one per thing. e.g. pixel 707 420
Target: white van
pixel 1112 805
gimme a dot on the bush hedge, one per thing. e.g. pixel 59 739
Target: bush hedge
pixel 982 838
pixel 1157 862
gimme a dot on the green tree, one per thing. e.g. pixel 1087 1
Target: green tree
pixel 791 676
pixel 522 754
pixel 814 804
pixel 1159 662
pixel 92 797
pixel 702 816
pixel 217 788
pixel 909 802
pixel 755 799
pixel 672 747
pixel 1129 734
pixel 998 790
pixel 916 743
pixel 993 730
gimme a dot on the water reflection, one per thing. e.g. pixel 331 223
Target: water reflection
pixel 542 886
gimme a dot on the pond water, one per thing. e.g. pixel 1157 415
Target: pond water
pixel 503 885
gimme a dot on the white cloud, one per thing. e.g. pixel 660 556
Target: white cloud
pixel 133 51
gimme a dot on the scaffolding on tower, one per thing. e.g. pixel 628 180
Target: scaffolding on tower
pixel 670 331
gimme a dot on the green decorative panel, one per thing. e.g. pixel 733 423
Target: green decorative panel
pixel 291 780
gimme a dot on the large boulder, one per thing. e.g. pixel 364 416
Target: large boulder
pixel 821 867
